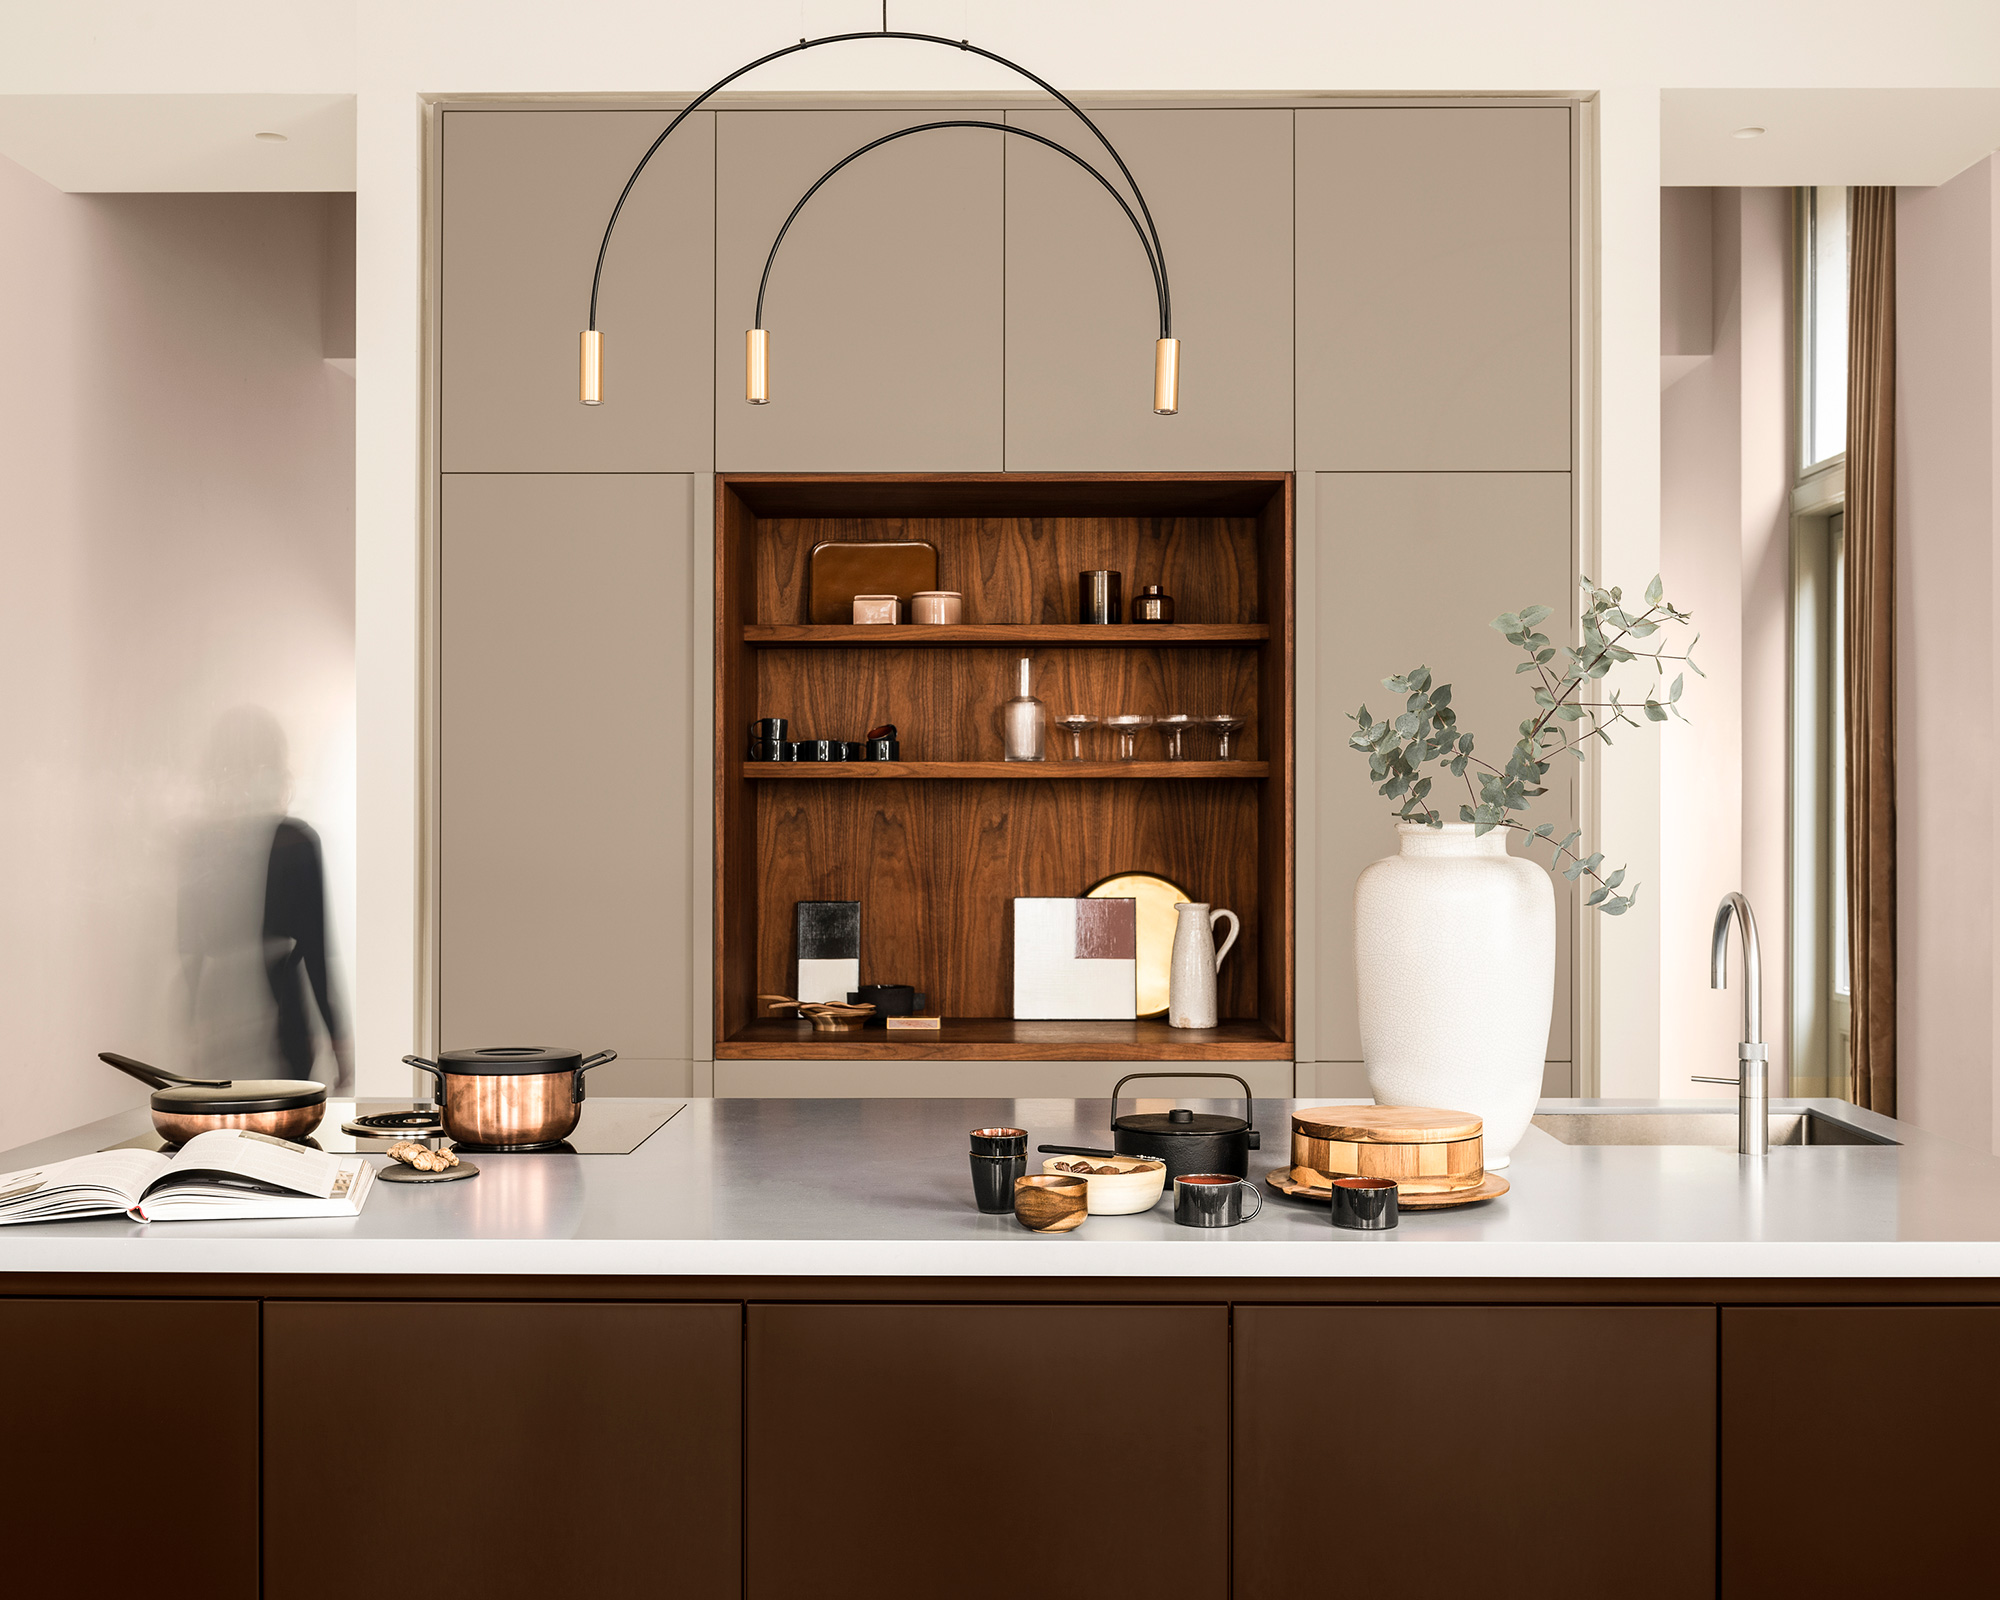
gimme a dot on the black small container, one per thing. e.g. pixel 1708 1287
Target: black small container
pixel 993 1182
pixel 1152 604
pixel 889 1000
pixel 770 728
pixel 853 750
pixel 769 750
pixel 1000 1142
pixel 1099 596
pixel 819 749
pixel 1365 1204
pixel 882 750
pixel 791 750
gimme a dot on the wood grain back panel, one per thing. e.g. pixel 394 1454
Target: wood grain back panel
pixel 935 866
pixel 946 704
pixel 1023 568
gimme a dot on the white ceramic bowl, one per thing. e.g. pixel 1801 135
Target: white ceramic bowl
pixel 1137 1185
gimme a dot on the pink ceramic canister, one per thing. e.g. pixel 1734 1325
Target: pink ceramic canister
pixel 877 608
pixel 937 606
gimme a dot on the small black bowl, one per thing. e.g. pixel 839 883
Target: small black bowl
pixel 1367 1204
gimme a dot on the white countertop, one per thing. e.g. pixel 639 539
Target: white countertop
pixel 881 1188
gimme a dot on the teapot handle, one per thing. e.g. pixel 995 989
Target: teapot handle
pixel 1235 927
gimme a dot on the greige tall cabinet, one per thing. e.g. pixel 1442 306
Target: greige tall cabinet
pixel 1381 298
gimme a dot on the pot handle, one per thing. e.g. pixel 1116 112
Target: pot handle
pixel 586 1064
pixel 158 1077
pixel 1249 1111
pixel 433 1069
pixel 1072 1150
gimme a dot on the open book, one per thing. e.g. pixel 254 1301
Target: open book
pixel 226 1174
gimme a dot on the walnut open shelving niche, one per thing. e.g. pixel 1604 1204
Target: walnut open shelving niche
pixel 936 846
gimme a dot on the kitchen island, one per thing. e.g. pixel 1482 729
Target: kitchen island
pixel 775 1349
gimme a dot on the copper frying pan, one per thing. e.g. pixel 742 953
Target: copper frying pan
pixel 285 1108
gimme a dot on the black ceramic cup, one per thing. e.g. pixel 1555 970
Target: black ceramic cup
pixel 1364 1203
pixel 993 1182
pixel 883 750
pixel 1099 596
pixel 1215 1200
pixel 768 749
pixel 770 728
pixel 1000 1142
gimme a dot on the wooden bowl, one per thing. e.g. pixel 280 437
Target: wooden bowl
pixel 1427 1151
pixel 1051 1202
pixel 1136 1186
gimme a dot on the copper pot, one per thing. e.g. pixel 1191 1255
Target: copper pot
pixel 284 1108
pixel 510 1097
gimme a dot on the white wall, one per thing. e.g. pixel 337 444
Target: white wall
pixel 1724 552
pixel 1948 596
pixel 392 52
pixel 176 473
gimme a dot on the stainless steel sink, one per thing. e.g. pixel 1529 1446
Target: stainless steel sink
pixel 1715 1128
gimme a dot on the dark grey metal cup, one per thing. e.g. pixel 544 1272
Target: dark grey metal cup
pixel 1214 1200
pixel 1366 1204
pixel 1100 597
pixel 993 1182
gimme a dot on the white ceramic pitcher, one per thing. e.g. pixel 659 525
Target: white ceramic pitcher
pixel 1191 981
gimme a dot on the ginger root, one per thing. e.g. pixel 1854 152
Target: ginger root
pixel 413 1154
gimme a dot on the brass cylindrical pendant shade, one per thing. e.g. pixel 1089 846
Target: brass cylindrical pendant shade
pixel 1167 377
pixel 757 377
pixel 591 368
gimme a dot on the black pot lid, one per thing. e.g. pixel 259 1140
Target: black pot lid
pixel 240 1098
pixel 1177 1123
pixel 500 1060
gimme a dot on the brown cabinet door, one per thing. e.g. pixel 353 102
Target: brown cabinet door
pixel 1501 1450
pixel 987 1450
pixel 129 1461
pixel 1857 1450
pixel 550 1449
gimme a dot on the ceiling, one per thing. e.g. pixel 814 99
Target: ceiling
pixel 140 143
pixel 1812 136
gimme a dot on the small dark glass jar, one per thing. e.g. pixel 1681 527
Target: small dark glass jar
pixel 1152 604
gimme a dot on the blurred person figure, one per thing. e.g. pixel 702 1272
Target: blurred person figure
pixel 252 934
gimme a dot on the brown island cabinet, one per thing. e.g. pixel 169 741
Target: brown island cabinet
pixel 770 1438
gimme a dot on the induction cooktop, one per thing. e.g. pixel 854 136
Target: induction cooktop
pixel 604 1128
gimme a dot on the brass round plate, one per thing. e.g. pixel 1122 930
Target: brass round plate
pixel 397 1172
pixel 1280 1178
pixel 1157 898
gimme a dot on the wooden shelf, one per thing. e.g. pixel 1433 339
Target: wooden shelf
pixel 1004 635
pixel 1004 1039
pixel 1030 771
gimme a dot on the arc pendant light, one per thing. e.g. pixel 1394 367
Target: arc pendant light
pixel 1166 360
pixel 1166 349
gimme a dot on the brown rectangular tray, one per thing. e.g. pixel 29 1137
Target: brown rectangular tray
pixel 838 570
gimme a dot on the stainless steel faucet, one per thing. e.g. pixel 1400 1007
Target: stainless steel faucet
pixel 1753 1095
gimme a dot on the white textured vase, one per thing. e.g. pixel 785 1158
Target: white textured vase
pixel 1196 962
pixel 1455 952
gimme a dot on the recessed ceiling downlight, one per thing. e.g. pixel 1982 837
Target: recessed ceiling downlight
pixel 272 138
pixel 1740 133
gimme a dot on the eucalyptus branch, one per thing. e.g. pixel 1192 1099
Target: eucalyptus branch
pixel 1427 732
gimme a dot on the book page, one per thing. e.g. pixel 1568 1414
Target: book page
pixel 119 1176
pixel 258 1157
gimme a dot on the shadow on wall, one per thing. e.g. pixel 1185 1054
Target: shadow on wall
pixel 252 927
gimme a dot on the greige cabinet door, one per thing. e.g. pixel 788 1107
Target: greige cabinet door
pixel 525 198
pixel 569 631
pixel 1434 289
pixel 1412 568
pixel 1082 316
pixel 884 308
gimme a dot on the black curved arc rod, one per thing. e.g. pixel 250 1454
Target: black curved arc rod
pixel 1159 278
pixel 1158 251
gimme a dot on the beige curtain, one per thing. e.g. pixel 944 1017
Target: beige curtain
pixel 1870 626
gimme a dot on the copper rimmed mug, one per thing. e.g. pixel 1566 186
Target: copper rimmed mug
pixel 1214 1200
